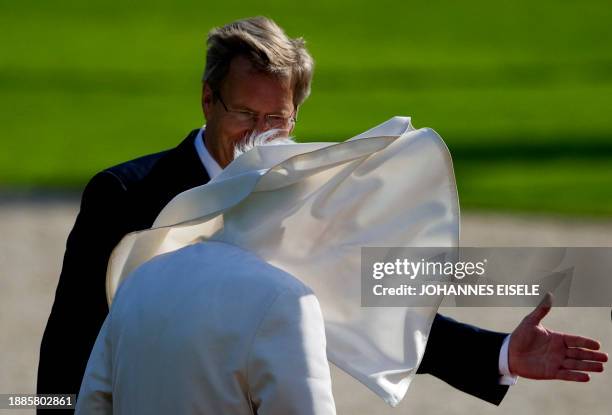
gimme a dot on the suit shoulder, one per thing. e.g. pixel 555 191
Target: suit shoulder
pixel 135 170
pixel 118 179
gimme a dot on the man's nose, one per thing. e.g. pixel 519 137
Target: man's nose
pixel 261 124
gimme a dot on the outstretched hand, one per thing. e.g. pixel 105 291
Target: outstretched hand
pixel 536 352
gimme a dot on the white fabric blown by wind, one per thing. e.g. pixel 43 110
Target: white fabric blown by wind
pixel 308 209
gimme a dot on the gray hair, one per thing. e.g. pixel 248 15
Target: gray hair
pixel 255 139
pixel 266 46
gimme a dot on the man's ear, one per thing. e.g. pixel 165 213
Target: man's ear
pixel 207 99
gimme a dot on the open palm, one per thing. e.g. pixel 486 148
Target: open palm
pixel 538 353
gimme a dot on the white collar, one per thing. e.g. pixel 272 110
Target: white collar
pixel 210 164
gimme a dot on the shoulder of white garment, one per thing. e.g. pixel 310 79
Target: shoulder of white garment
pixel 287 369
pixel 220 260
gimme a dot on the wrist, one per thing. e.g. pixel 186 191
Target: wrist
pixel 507 376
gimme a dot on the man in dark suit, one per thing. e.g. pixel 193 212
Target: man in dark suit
pixel 255 79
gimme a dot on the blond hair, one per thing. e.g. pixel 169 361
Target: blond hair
pixel 266 46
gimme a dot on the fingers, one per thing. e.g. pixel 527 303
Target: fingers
pixel 581 360
pixel 582 365
pixel 584 354
pixel 572 376
pixel 541 310
pixel 579 341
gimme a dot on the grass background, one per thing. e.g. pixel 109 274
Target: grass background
pixel 520 90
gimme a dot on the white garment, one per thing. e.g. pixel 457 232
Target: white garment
pixel 213 169
pixel 232 330
pixel 308 209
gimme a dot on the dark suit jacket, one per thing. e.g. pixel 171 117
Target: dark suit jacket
pixel 128 197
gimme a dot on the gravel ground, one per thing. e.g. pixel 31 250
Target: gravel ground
pixel 34 231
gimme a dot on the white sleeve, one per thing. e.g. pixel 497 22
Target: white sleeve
pixel 287 370
pixel 506 378
pixel 95 395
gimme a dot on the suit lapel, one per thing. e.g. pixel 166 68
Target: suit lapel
pixel 178 170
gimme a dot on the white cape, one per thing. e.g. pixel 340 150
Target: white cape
pixel 308 209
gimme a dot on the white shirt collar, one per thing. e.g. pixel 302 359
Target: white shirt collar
pixel 210 164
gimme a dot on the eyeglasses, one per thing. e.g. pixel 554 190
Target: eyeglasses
pixel 249 119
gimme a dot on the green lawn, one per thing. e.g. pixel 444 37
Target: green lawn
pixel 521 91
